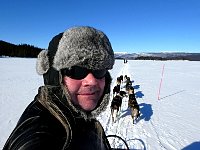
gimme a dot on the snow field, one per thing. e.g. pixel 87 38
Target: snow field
pixel 171 123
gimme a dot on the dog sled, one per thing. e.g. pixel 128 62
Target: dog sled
pixel 117 143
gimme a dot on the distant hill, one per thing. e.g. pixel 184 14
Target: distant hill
pixel 159 56
pixel 22 50
pixel 25 50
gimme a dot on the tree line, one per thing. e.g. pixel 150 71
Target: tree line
pixel 21 50
pixel 160 58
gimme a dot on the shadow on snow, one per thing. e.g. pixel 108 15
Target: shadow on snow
pixel 145 112
pixel 192 146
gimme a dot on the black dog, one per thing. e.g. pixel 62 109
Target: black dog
pixel 115 107
pixel 120 79
pixel 116 89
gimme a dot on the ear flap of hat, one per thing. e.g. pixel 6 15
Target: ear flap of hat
pixel 42 63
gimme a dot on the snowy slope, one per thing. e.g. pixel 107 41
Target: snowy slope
pixel 171 123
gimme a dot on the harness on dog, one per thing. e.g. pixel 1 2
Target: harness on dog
pixel 117 100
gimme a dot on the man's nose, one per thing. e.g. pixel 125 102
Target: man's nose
pixel 90 80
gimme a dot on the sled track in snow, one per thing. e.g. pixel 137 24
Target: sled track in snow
pixel 124 124
pixel 117 125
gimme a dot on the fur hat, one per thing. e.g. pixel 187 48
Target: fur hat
pixel 81 46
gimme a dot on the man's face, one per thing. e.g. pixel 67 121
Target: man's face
pixel 85 92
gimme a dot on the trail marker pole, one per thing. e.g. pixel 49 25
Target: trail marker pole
pixel 161 81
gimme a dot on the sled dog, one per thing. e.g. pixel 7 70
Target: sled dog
pixel 115 107
pixel 133 105
pixel 116 90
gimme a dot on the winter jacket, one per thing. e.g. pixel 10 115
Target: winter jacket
pixel 54 125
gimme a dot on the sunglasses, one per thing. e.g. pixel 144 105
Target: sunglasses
pixel 76 72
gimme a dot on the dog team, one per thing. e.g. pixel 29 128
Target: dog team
pixel 118 95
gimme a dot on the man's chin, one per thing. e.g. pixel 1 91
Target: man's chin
pixel 89 106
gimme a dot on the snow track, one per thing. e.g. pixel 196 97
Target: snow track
pixel 124 119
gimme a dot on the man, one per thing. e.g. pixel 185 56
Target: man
pixel 77 87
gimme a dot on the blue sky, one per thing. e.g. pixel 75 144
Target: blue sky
pixel 131 25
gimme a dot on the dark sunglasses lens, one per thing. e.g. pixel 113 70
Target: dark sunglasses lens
pixel 99 74
pixel 75 72
pixel 79 73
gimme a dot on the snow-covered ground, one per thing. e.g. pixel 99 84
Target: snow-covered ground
pixel 170 123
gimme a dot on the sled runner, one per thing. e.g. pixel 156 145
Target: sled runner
pixel 117 139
